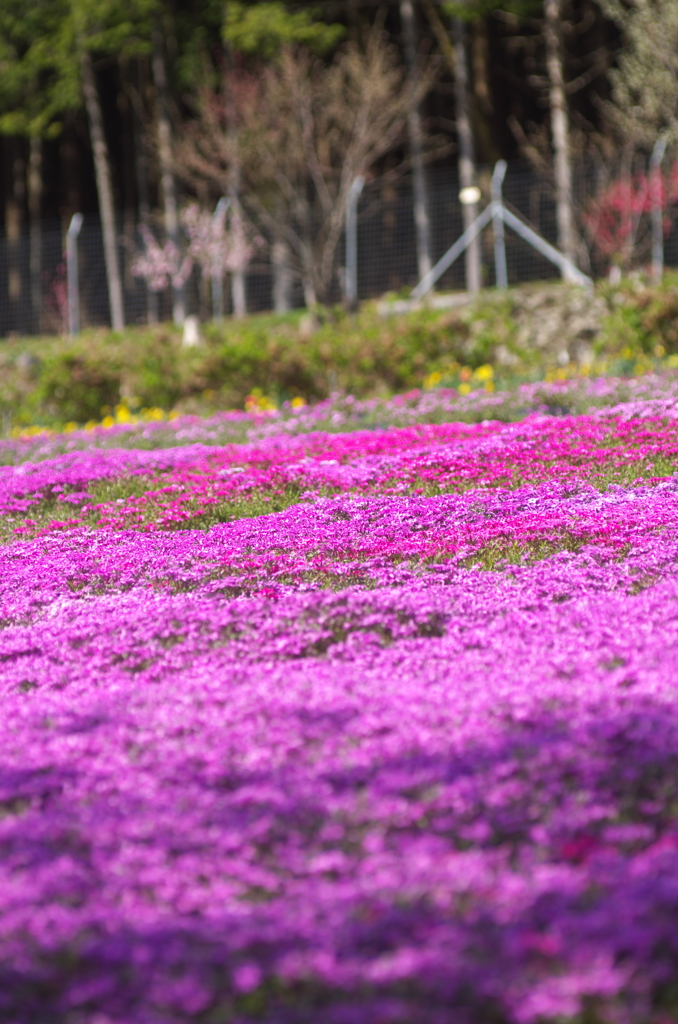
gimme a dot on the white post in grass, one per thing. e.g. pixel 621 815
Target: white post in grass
pixel 72 274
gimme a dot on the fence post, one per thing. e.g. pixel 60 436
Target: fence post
pixel 575 276
pixel 500 271
pixel 72 274
pixel 352 242
pixel 217 265
pixel 656 197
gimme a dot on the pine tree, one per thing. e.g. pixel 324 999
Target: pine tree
pixel 645 80
pixel 53 45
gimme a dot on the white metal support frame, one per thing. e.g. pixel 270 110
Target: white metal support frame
pixel 500 271
pixel 657 226
pixel 352 241
pixel 72 274
pixel 500 216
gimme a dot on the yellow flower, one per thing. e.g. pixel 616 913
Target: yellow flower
pixel 485 372
pixel 464 388
pixel 297 403
pixel 123 415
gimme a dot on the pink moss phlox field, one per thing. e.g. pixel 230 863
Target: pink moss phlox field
pixel 187 482
pixel 378 541
pixel 324 765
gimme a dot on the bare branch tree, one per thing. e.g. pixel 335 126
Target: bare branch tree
pixel 306 131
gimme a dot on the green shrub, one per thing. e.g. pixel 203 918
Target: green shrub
pixel 51 381
pixel 642 318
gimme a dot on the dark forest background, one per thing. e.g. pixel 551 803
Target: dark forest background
pixel 132 110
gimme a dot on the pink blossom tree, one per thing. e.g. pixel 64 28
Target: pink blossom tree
pixel 217 243
pixel 212 243
pixel 161 265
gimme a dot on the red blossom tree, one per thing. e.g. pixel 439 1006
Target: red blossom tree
pixel 616 218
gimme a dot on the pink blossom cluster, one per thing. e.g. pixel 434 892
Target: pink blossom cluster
pixel 215 246
pixel 161 265
pixel 324 765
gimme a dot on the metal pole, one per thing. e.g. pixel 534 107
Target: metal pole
pixel 217 266
pixel 545 248
pixel 72 273
pixel 453 253
pixel 656 198
pixel 352 242
pixel 500 272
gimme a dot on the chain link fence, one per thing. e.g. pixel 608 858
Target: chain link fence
pixel 33 276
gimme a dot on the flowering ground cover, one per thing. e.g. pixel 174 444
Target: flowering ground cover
pixel 403 750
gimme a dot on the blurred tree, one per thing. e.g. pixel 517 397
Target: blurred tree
pixel 560 130
pixel 644 82
pixel 164 139
pixel 414 124
pixel 95 27
pixel 261 30
pixel 464 11
pixel 52 44
pixel 306 131
pixel 27 110
pixel 456 57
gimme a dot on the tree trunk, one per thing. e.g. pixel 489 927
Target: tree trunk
pixel 15 194
pixel 482 92
pixel 143 200
pixel 238 292
pixel 466 158
pixel 421 203
pixel 34 202
pixel 282 276
pixel 169 194
pixel 560 131
pixel 307 275
pixel 129 189
pixel 70 172
pixel 105 192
